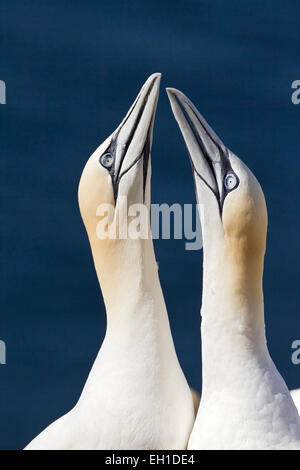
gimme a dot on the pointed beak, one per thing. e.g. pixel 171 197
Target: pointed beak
pixel 208 154
pixel 132 140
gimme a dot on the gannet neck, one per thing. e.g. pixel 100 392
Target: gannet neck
pixel 232 283
pixel 232 316
pixel 240 383
pixel 130 266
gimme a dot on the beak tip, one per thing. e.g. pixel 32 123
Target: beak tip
pixel 155 77
pixel 174 96
pixel 174 92
pixel 152 81
pixel 171 92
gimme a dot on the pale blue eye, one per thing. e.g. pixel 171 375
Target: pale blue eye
pixel 107 160
pixel 230 181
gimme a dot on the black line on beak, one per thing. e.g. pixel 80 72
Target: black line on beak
pixel 116 178
pixel 223 151
pixel 203 150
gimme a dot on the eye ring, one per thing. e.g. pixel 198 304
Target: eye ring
pixel 107 160
pixel 230 181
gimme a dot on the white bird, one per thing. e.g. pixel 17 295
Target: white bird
pixel 136 396
pixel 245 403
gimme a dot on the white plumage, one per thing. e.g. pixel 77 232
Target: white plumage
pixel 245 403
pixel 136 396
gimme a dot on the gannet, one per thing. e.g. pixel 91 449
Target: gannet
pixel 136 395
pixel 245 403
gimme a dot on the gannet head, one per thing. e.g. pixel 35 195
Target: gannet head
pixel 120 166
pixel 232 205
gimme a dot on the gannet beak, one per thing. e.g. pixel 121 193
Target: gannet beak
pixel 209 156
pixel 132 140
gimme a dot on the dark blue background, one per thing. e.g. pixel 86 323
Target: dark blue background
pixel 72 69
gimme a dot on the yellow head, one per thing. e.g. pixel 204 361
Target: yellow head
pixel 232 205
pixel 120 167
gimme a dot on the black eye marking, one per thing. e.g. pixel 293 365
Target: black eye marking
pixel 230 181
pixel 107 160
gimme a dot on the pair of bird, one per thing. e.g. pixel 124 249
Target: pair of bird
pixel 136 395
